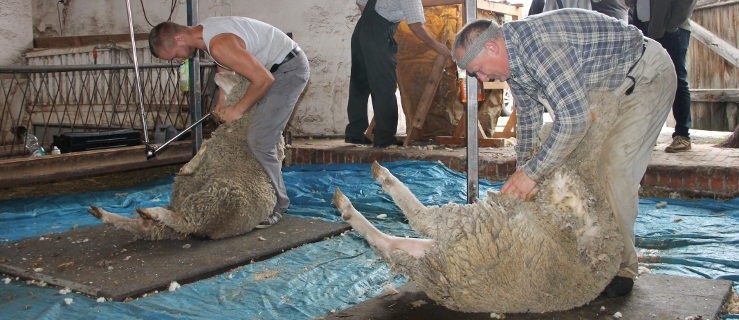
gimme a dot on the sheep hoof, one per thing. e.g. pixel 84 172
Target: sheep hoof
pixel 531 195
pixel 379 172
pixel 342 203
pixel 185 170
pixel 192 165
pixel 95 212
pixel 144 214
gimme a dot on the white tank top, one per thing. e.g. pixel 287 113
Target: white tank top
pixel 265 42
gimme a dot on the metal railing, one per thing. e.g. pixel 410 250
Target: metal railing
pixel 51 100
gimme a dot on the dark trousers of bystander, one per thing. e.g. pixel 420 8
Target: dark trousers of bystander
pixel 676 43
pixel 374 61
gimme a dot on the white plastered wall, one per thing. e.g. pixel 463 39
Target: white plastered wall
pixel 322 28
pixel 16 32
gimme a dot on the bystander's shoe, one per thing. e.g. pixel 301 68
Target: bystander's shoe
pixel 679 144
pixel 273 219
pixel 362 140
pixel 393 142
pixel 619 287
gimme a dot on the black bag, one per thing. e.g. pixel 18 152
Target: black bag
pixel 81 141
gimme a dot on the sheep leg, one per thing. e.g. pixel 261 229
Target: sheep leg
pixel 172 219
pixel 384 243
pixel 413 209
pixel 140 227
pixel 192 165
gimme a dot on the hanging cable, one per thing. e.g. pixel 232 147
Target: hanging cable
pixel 59 14
pixel 172 6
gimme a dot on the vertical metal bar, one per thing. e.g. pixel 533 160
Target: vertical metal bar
pixel 470 8
pixel 136 74
pixel 196 108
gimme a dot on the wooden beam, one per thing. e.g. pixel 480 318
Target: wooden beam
pixel 482 142
pixel 495 85
pixel 427 97
pixel 714 95
pixel 79 41
pixel 724 49
pixel 49 168
pixel 704 4
pixel 499 7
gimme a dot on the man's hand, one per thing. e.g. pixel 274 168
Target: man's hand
pixel 227 113
pixel 520 186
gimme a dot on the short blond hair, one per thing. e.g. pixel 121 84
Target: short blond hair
pixel 162 36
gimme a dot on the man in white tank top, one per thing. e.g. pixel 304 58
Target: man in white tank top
pixel 272 62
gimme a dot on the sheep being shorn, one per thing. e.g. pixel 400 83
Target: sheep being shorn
pixel 223 191
pixel 503 255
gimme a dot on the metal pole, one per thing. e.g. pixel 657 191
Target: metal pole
pixel 151 152
pixel 196 109
pixel 470 8
pixel 136 73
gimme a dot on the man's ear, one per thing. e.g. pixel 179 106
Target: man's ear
pixel 492 46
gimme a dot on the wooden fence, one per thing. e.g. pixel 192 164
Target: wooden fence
pixel 713 73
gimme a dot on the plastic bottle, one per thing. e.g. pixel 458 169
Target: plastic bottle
pixel 184 73
pixel 462 82
pixel 33 145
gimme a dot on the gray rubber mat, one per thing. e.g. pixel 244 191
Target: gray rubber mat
pixel 102 261
pixel 653 297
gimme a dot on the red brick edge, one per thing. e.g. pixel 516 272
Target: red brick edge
pixel 720 182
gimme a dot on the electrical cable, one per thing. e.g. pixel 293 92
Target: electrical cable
pixel 59 14
pixel 172 6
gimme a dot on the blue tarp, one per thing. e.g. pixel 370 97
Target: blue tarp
pixel 688 238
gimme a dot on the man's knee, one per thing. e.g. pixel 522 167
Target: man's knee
pixel 260 146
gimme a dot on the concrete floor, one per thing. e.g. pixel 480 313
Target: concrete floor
pixel 653 297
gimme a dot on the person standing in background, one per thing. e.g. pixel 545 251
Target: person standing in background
pixel 537 7
pixel 374 61
pixel 612 8
pixel 668 22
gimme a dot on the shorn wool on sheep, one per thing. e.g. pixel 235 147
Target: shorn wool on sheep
pixel 503 255
pixel 223 191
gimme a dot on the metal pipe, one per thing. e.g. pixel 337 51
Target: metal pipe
pixel 151 152
pixel 136 73
pixel 195 88
pixel 87 67
pixel 470 8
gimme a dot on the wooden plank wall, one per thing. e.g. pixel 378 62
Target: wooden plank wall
pixel 707 70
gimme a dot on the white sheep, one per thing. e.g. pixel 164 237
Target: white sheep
pixel 223 191
pixel 504 255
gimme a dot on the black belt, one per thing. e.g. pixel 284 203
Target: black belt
pixel 292 54
pixel 630 90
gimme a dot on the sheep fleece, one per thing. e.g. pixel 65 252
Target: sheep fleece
pixel 221 192
pixel 554 253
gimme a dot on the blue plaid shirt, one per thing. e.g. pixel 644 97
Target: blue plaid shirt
pixel 559 56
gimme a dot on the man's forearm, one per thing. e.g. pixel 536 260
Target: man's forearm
pixel 421 33
pixel 253 94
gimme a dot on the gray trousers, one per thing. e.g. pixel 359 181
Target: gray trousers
pixel 270 119
pixel 629 145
